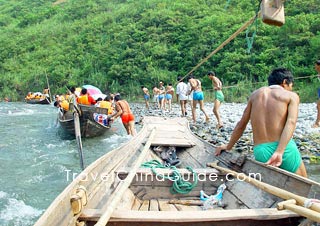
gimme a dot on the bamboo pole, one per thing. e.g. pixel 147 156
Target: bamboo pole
pixel 48 87
pixel 291 205
pixel 126 183
pixel 223 44
pixel 186 202
pixel 286 195
pixel 78 137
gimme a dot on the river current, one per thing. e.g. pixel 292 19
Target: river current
pixel 36 164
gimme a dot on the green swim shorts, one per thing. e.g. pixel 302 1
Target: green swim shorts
pixel 291 158
pixel 218 95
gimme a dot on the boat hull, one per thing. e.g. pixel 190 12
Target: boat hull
pixel 39 101
pixel 88 126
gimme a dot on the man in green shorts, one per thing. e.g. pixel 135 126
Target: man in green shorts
pixel 273 112
pixel 218 96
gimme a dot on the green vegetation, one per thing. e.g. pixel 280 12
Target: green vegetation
pixel 119 45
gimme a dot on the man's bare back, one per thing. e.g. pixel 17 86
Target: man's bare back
pixel 279 103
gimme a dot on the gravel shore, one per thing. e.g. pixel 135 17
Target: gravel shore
pixel 307 138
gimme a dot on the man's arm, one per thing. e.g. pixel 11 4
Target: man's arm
pixel 287 133
pixel 117 113
pixel 238 130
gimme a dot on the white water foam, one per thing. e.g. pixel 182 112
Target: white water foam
pixel 114 140
pixel 16 212
pixel 19 112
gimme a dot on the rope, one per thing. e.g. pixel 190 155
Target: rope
pixel 251 39
pixel 233 36
pixel 227 4
pixel 179 184
pixel 226 87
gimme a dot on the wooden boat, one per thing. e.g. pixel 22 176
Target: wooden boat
pixel 39 101
pixel 117 190
pixel 88 126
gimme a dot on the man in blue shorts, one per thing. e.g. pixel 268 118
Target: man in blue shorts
pixel 273 112
pixel 198 97
pixel 146 96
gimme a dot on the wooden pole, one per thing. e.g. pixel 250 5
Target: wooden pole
pixel 48 87
pixel 126 183
pixel 286 195
pixel 78 137
pixel 291 205
pixel 186 202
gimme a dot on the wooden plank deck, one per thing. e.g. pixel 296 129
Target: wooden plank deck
pixel 169 132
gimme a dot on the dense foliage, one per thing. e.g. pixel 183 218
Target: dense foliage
pixel 119 45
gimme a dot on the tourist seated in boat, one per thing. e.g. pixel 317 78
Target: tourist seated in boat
pixel 38 96
pixel 62 105
pixel 98 102
pixel 107 103
pixel 59 97
pixel 29 96
pixel 85 98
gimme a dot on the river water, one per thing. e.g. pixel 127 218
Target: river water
pixel 35 161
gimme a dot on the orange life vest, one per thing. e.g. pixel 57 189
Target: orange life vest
pixel 83 99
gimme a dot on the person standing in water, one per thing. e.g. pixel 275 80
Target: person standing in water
pixel 123 110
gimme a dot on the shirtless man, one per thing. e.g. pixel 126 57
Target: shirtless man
pixel 273 112
pixel 156 92
pixel 146 96
pixel 218 96
pixel 123 110
pixel 162 94
pixel 169 96
pixel 198 97
pixel 317 122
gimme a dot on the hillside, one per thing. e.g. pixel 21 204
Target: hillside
pixel 119 45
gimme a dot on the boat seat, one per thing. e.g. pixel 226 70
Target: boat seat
pixel 93 215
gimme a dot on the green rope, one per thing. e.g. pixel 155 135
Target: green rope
pixel 179 184
pixel 251 39
pixel 227 4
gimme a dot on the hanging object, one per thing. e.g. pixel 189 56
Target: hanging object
pixel 251 39
pixel 272 12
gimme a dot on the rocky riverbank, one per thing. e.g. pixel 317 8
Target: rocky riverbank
pixel 307 138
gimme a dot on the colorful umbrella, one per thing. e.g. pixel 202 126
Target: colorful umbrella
pixel 92 90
